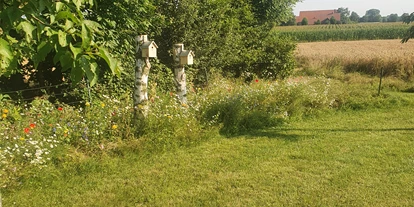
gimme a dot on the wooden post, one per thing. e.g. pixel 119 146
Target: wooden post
pixel 180 77
pixel 142 69
pixel 380 82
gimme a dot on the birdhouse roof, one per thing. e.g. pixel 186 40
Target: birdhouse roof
pixel 147 44
pixel 185 53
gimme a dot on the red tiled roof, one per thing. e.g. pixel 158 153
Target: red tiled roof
pixel 320 15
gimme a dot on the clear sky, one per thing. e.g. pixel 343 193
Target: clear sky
pixel 359 6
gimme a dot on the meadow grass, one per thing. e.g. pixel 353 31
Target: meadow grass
pixel 338 158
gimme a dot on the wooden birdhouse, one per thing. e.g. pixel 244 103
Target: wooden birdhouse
pixel 186 57
pixel 149 49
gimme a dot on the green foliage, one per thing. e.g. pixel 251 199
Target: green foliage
pixel 354 17
pixel 304 21
pixel 332 20
pixel 215 29
pixel 372 15
pixel 52 34
pixel 345 15
pixel 410 33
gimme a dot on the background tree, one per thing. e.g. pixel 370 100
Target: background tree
pixel 410 32
pixel 332 20
pixel 373 15
pixel 392 18
pixel 291 21
pixel 318 22
pixel 354 17
pixel 403 16
pixel 345 18
pixel 305 21
pixel 216 29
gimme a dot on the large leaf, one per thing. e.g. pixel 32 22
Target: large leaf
pixel 42 51
pixel 94 26
pixel 78 3
pixel 62 38
pixel 59 6
pixel 89 68
pixel 6 55
pixel 77 73
pixel 65 58
pixel 28 30
pixel 63 15
pixel 75 50
pixel 9 16
pixel 86 37
pixel 112 63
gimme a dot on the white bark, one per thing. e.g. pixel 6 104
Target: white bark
pixel 181 84
pixel 180 77
pixel 142 70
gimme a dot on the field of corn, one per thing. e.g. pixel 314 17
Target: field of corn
pixel 346 32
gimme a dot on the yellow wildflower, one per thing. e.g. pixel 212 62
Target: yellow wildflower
pixel 102 105
pixel 5 111
pixel 114 126
pixel 4 116
pixel 21 138
pixel 87 104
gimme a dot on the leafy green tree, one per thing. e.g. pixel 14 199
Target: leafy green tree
pixel 354 17
pixel 272 11
pixel 403 16
pixel 305 21
pixel 326 21
pixel 392 18
pixel 373 15
pixel 318 22
pixel 332 20
pixel 345 18
pixel 226 35
pixel 52 34
pixel 410 32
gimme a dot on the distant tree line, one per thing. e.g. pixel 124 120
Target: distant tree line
pixel 349 17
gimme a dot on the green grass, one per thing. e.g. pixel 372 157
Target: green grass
pixel 348 158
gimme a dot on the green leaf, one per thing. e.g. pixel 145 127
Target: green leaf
pixel 65 58
pixel 62 15
pixel 62 38
pixel 6 56
pixel 68 26
pixel 9 16
pixel 112 63
pixel 86 37
pixel 77 73
pixel 94 26
pixel 59 6
pixel 42 51
pixel 78 3
pixel 89 68
pixel 28 30
pixel 75 50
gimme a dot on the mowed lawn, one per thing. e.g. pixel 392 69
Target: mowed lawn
pixel 351 158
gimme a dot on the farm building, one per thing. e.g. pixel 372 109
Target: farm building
pixel 321 15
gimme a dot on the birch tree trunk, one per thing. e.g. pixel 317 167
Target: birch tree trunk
pixel 142 70
pixel 181 84
pixel 180 77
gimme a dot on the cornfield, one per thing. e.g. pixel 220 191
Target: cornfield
pixel 344 32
